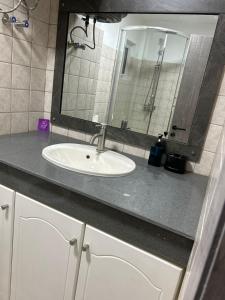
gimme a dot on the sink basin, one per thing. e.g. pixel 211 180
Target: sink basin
pixel 85 159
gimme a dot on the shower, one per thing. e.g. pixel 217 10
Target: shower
pixel 150 98
pixel 145 94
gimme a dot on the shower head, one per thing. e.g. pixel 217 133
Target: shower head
pixel 107 17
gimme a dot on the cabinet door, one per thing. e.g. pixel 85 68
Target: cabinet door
pixel 6 233
pixel 114 270
pixel 46 252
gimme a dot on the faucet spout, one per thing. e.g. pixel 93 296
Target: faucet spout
pixel 101 136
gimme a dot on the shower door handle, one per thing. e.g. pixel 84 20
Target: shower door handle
pixel 175 127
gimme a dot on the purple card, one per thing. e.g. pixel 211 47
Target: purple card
pixel 43 125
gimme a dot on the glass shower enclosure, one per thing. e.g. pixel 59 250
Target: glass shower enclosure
pixel 148 71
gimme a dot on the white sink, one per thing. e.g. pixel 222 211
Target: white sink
pixel 85 159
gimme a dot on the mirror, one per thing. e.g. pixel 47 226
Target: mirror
pixel 144 73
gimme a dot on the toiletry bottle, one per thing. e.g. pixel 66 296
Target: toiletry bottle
pixel 156 152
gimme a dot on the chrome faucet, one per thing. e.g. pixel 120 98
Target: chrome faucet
pixel 101 136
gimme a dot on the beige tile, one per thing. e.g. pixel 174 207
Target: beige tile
pixel 219 111
pixel 83 85
pixel 213 137
pixel 38 79
pixel 54 11
pixel 51 59
pixel 19 122
pixel 20 100
pixel 84 68
pixel 76 135
pixel 20 77
pixel 204 166
pixel 5 48
pixel 40 33
pixel 134 151
pixel 42 12
pixel 5 75
pixel 21 54
pixel 33 120
pixel 73 84
pixel 5 100
pixel 75 65
pixel 52 36
pixel 48 102
pixel 115 146
pixel 39 56
pixel 5 123
pixel 49 81
pixel 36 101
pixel 59 130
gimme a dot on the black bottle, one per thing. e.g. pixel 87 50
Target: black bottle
pixel 156 152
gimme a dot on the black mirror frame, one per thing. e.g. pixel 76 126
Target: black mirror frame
pixel 210 85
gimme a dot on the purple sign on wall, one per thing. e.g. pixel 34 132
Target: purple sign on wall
pixel 43 125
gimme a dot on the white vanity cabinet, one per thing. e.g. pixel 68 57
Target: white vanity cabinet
pixel 46 252
pixel 114 270
pixel 6 234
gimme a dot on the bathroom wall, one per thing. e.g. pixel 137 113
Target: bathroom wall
pixel 23 61
pixel 202 167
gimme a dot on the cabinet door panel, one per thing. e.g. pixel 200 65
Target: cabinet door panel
pixel 45 264
pixel 114 270
pixel 6 233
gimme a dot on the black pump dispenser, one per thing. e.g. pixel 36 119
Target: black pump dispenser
pixel 156 152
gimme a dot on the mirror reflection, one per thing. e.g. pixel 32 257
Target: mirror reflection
pixel 135 71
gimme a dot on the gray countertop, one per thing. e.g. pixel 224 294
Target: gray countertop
pixel 168 200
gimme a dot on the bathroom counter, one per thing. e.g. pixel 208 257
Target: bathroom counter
pixel 151 195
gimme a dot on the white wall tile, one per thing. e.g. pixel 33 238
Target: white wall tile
pixel 19 122
pixel 212 138
pixel 5 123
pixel 77 135
pixel 36 101
pixel 21 54
pixel 219 111
pixel 59 130
pixel 33 120
pixel 52 36
pixel 54 11
pixel 5 75
pixel 40 33
pixel 5 100
pixel 39 57
pixel 205 164
pixel 5 48
pixel 38 77
pixel 20 77
pixel 20 100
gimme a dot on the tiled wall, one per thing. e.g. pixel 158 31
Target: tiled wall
pixel 23 61
pixel 81 73
pixel 26 80
pixel 88 76
pixel 104 82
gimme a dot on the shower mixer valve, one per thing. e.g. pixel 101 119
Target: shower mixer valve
pixel 6 19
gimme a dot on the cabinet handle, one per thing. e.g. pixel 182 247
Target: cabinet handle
pixel 4 207
pixel 85 247
pixel 73 242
